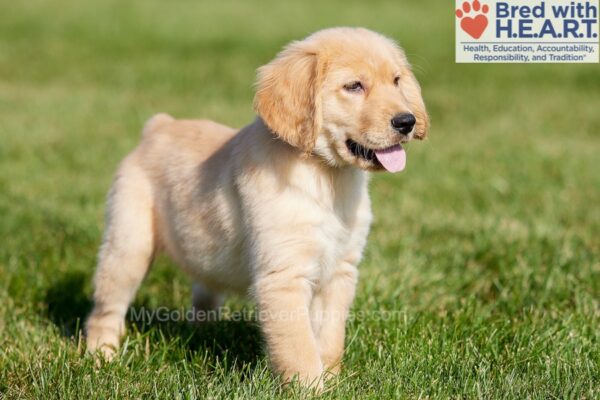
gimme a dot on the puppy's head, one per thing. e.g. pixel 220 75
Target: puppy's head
pixel 344 94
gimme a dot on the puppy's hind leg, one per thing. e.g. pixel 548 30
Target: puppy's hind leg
pixel 205 303
pixel 124 258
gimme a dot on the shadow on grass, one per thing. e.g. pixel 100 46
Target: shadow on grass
pixel 238 341
pixel 67 303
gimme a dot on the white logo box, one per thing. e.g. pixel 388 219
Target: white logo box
pixel 527 31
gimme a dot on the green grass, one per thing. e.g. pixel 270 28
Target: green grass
pixel 484 255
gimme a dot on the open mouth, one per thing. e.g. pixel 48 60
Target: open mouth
pixel 391 158
pixel 361 151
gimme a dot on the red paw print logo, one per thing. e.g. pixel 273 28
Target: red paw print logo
pixel 474 26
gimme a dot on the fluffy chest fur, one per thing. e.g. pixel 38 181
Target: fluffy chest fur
pixel 299 212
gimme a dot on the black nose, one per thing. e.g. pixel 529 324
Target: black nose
pixel 404 123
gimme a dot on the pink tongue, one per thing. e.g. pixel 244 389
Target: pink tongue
pixel 393 158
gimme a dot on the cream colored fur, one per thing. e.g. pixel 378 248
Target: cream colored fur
pixel 278 210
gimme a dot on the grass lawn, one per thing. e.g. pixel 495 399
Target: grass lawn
pixel 482 274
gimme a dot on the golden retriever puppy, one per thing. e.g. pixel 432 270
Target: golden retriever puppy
pixel 279 209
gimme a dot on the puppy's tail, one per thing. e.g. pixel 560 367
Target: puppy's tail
pixel 156 122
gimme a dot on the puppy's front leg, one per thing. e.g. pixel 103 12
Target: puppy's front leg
pixel 329 312
pixel 284 301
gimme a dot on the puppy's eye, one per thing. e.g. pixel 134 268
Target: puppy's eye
pixel 354 87
pixel 396 80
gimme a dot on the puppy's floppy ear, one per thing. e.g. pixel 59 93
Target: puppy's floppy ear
pixel 288 96
pixel 412 91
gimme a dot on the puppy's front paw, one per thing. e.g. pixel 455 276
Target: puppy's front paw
pixel 306 376
pixel 104 351
pixel 332 371
pixel 332 362
pixel 102 339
